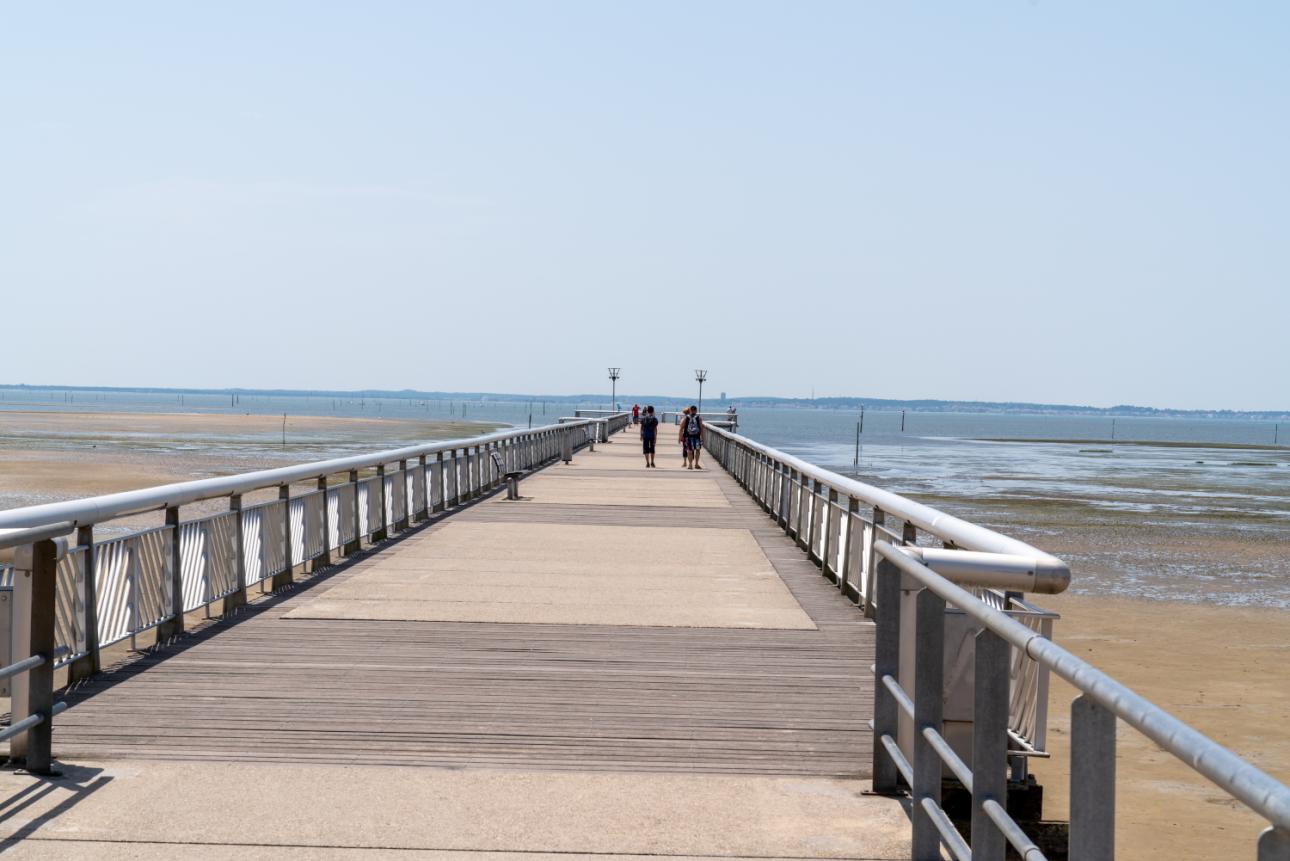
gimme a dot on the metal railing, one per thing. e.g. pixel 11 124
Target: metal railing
pixel 974 575
pixel 94 593
pixel 606 423
pixel 731 419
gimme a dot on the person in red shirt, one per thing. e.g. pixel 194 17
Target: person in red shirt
pixel 636 414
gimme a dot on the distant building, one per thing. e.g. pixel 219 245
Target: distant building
pixel 723 396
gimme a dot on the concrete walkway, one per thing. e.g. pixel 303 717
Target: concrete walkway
pixel 627 662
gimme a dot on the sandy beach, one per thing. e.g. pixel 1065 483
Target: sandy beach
pixel 1223 670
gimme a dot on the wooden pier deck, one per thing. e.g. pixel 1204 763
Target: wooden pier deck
pixel 626 662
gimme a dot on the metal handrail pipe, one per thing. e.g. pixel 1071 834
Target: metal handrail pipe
pixel 961 533
pixel 30 721
pixel 949 834
pixel 898 693
pixel 21 726
pixel 19 537
pixel 1012 832
pixel 22 666
pixel 898 757
pixel 96 509
pixel 942 747
pixel 996 570
pixel 1252 787
pixel 30 663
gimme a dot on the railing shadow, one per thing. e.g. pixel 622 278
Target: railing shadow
pixel 80 781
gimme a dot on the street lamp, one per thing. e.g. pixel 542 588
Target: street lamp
pixel 700 376
pixel 613 380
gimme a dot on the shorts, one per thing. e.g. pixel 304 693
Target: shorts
pixel 647 442
pixel 691 443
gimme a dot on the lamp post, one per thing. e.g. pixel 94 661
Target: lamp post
pixel 700 375
pixel 613 381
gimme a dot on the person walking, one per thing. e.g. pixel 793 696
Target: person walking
pixel 692 437
pixel 649 435
pixel 636 414
pixel 680 435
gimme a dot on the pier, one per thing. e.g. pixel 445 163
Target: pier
pixel 386 655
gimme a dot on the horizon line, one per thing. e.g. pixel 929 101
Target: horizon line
pixel 841 401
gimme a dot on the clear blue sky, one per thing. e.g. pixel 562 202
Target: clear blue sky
pixel 1075 202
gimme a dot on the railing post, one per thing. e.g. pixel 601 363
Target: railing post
pixel 325 559
pixel 286 576
pixel 879 519
pixel 566 446
pixel 402 523
pixel 1274 845
pixel 384 531
pixel 238 597
pixel 88 664
pixel 450 488
pixel 803 513
pixel 436 476
pixel 929 700
pixel 35 593
pixel 832 527
pixel 815 533
pixel 423 475
pixel 989 742
pixel 785 504
pixel 357 544
pixel 1092 789
pixel 175 625
pixel 886 716
pixel 852 550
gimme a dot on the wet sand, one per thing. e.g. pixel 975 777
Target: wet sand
pixel 1223 670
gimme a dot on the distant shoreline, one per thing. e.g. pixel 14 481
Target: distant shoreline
pixel 1155 443
pixel 916 405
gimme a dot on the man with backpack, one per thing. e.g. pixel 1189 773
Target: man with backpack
pixel 691 437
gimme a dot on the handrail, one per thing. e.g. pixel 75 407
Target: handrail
pixel 1257 790
pixel 19 537
pixel 964 535
pixel 96 509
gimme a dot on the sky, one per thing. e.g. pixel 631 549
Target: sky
pixel 1023 201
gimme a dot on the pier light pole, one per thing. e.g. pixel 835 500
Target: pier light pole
pixel 700 375
pixel 613 382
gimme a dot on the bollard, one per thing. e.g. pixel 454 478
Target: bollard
pixel 566 447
